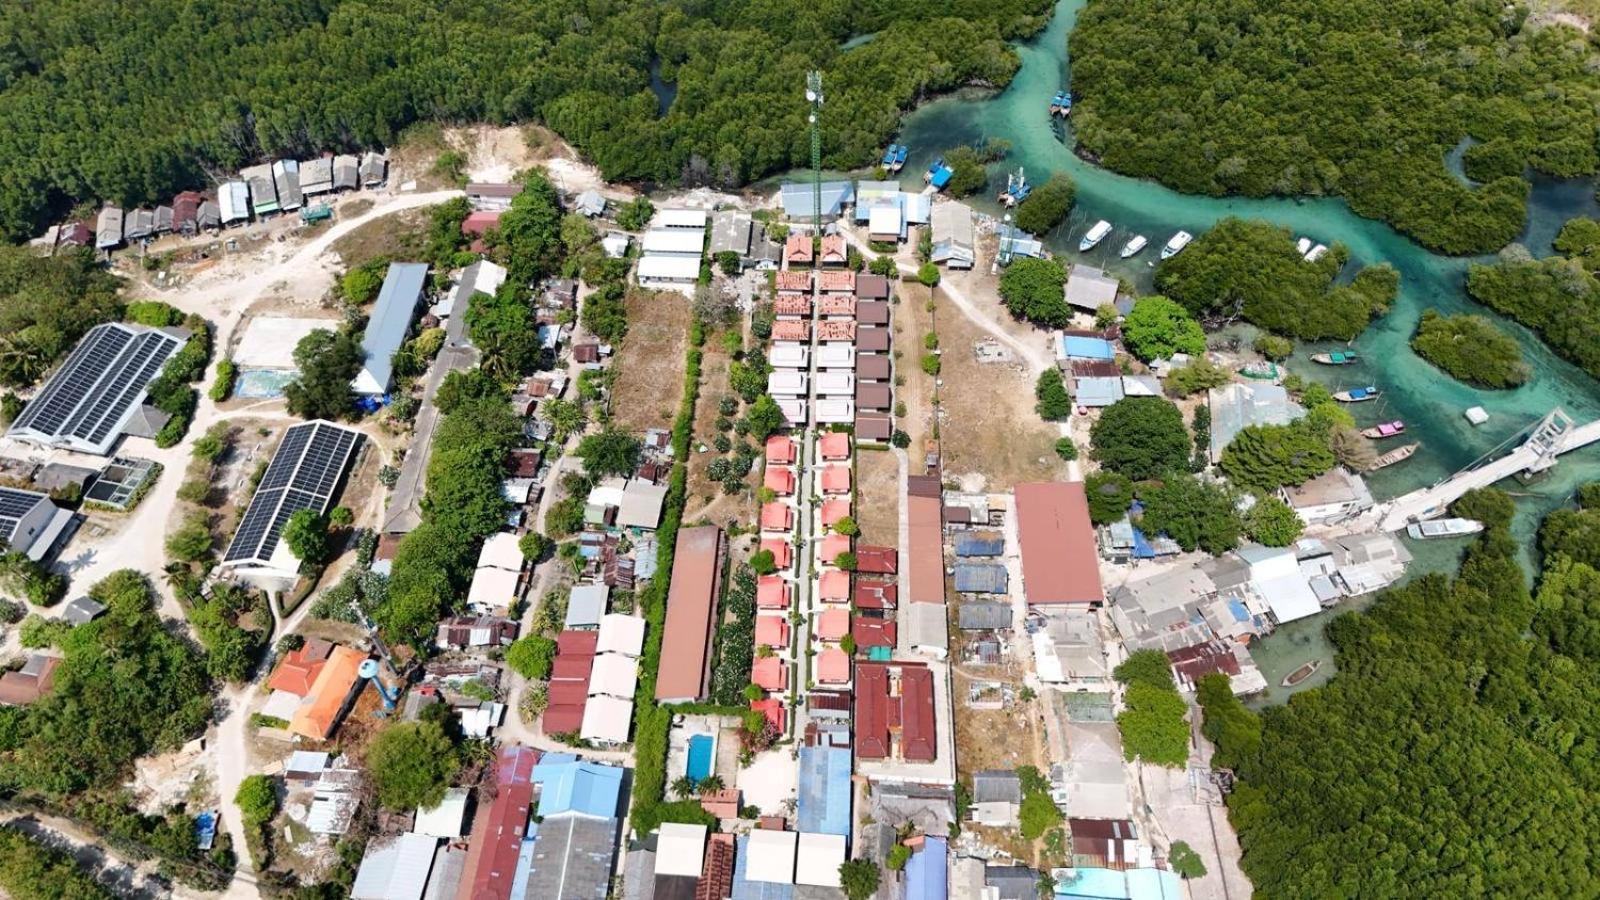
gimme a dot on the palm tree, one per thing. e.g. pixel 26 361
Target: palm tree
pixel 683 786
pixel 710 784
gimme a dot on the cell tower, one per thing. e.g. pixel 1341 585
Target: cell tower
pixel 814 97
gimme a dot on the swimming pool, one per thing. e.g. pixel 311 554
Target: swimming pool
pixel 702 750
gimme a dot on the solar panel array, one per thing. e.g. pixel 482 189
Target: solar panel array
pixel 14 504
pixel 302 475
pixel 88 400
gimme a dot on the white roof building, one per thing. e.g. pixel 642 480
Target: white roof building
pixel 1330 497
pixel 615 244
pixel 657 270
pixel 492 588
pixel 614 675
pixel 680 849
pixel 444 820
pixel 786 383
pixel 1089 288
pixel 794 410
pixel 606 719
pixel 586 605
pixel 885 221
pixel 818 859
pixel 233 202
pixel 621 634
pixel 1275 575
pixel 387 327
pixel 641 504
pixel 836 355
pixel 396 868
pixel 680 218
pixel 836 384
pixel 500 551
pixel 954 243
pixel 836 411
pixel 770 856
pixel 673 240
pixel 793 356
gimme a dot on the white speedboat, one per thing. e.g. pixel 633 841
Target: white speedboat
pixel 1317 252
pixel 1134 245
pixel 1302 246
pixel 1176 245
pixel 1095 235
pixel 1443 528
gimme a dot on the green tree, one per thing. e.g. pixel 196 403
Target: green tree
pixel 1066 449
pixel 534 546
pixel 1141 437
pixel 968 172
pixel 1145 667
pixel 460 386
pixel 1047 205
pixel 257 799
pixel 532 656
pixel 635 215
pixel 928 274
pixel 1192 512
pixel 1264 457
pixel 610 452
pixel 1037 815
pixel 1034 289
pixel 1157 328
pixel 411 764
pixel 1185 861
pixel 1272 346
pixel 1470 349
pixel 1152 726
pixel 1196 375
pixel 306 533
pixel 1053 403
pixel 1272 522
pixel 192 541
pixel 1109 495
pixel 765 417
pixel 327 362
pixel 847 526
pixel 859 878
pixel 899 855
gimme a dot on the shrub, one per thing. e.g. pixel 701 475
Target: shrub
pixel 257 799
pixel 928 274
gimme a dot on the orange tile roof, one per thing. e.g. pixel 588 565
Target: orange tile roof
pixel 296 673
pixel 834 586
pixel 831 330
pixel 835 446
pixel 776 517
pixel 794 280
pixel 772 631
pixel 782 553
pixel 723 804
pixel 832 546
pixel 770 674
pixel 833 510
pixel 833 666
pixel 835 305
pixel 792 305
pixel 780 450
pixel 833 624
pixel 844 281
pixel 779 479
pixel 834 253
pixel 836 479
pixel 317 718
pixel 772 592
pixel 790 330
pixel 798 247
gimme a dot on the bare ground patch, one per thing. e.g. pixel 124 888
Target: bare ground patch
pixel 913 390
pixel 401 234
pixel 707 499
pixel 989 425
pixel 647 380
pixel 878 498
pixel 977 749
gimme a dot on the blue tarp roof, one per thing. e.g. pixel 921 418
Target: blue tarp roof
pixel 569 785
pixel 1078 347
pixel 1089 883
pixel 982 578
pixel 823 804
pixel 979 544
pixel 756 890
pixel 942 176
pixel 797 198
pixel 926 871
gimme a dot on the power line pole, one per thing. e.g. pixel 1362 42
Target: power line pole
pixel 814 97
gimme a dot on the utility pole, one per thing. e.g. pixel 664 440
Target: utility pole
pixel 814 97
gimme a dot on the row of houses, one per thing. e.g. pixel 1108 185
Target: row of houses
pixel 853 368
pixel 260 191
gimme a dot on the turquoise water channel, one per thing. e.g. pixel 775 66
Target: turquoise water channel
pixel 1430 402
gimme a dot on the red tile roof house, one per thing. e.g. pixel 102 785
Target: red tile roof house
pixel 836 330
pixel 835 479
pixel 791 330
pixel 773 631
pixel 833 666
pixel 771 674
pixel 834 586
pixel 834 253
pixel 925 512
pixel 887 720
pixel 874 560
pixel 836 305
pixel 792 305
pixel 780 450
pixel 834 509
pixel 779 480
pixel 776 517
pixel 772 592
pixel 832 546
pixel 1060 560
pixel 834 446
pixel 499 827
pixel 873 594
pixel 836 282
pixel 872 632
pixel 798 249
pixel 833 624
pixel 569 682
pixel 691 608
pixel 794 280
pixel 782 551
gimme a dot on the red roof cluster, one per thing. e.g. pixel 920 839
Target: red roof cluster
pixel 833 330
pixel 1060 560
pixel 791 330
pixel 792 305
pixel 794 279
pixel 875 560
pixel 834 253
pixel 884 714
pixel 498 830
pixel 568 692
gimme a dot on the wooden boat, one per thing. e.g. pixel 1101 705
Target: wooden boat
pixel 1260 371
pixel 1398 454
pixel 1358 395
pixel 1385 430
pixel 1302 673
pixel 1335 358
pixel 1443 528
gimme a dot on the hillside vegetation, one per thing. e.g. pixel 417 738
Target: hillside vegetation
pixel 1357 98
pixel 131 102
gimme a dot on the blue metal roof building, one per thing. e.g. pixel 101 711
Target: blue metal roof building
pixel 568 784
pixel 745 889
pixel 1078 347
pixel 927 871
pixel 979 543
pixel 823 804
pixel 980 578
pixel 796 197
pixel 386 329
pixel 1089 883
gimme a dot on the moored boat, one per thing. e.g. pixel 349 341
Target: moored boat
pixel 1134 245
pixel 1302 673
pixel 1358 395
pixel 1335 358
pixel 1265 370
pixel 1302 246
pixel 888 156
pixel 1096 233
pixel 1317 252
pixel 1443 528
pixel 1176 245
pixel 1398 454
pixel 1385 430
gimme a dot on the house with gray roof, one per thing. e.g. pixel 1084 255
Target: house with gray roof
pixel 390 322
pixel 1237 406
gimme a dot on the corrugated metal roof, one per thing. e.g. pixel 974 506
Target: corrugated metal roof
pixel 797 198
pixel 391 319
pixel 823 801
pixel 396 870
pixel 980 578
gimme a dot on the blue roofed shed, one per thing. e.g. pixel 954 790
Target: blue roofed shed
pixel 1094 391
pixel 1079 347
pixel 980 578
pixel 823 804
pixel 570 785
pixel 979 543
pixel 1090 883
pixel 796 197
pixel 745 889
pixel 386 329
pixel 927 871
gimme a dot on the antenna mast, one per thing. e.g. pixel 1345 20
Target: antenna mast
pixel 814 97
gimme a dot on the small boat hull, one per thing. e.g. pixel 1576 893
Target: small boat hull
pixel 1302 673
pixel 1176 245
pixel 1443 528
pixel 1095 235
pixel 1133 247
pixel 1386 430
pixel 1336 358
pixel 1397 455
pixel 1359 395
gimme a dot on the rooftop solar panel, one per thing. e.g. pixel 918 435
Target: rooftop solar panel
pixel 303 474
pixel 15 504
pixel 85 404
